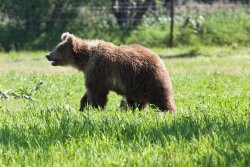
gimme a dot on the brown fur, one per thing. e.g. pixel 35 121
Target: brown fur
pixel 132 71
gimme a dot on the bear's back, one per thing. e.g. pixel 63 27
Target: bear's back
pixel 127 69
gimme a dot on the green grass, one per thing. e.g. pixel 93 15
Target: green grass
pixel 212 128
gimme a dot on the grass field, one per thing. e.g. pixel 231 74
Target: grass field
pixel 40 124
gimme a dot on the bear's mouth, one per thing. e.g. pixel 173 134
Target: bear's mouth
pixel 54 62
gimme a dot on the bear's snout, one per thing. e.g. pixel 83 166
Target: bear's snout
pixel 48 57
pixel 53 60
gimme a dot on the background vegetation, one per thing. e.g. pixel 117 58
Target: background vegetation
pixel 37 24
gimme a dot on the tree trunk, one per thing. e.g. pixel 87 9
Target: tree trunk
pixel 129 15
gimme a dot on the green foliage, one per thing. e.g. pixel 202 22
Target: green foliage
pixel 211 129
pixel 155 35
pixel 24 21
pixel 212 29
pixel 221 28
pixel 226 28
pixel 37 25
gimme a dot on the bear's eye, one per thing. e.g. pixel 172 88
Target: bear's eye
pixel 59 49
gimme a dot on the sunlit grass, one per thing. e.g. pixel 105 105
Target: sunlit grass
pixel 212 127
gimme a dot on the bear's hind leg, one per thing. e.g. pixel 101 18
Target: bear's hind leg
pixel 163 101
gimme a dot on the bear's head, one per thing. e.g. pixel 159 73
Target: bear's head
pixel 62 54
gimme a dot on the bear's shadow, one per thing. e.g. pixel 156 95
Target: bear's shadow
pixel 184 129
pixel 189 54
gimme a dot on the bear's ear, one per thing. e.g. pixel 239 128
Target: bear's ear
pixel 66 35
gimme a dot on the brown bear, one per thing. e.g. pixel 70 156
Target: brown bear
pixel 132 71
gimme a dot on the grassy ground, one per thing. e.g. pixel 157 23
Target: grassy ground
pixel 40 124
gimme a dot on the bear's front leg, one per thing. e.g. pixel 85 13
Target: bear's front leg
pixel 84 102
pixel 97 97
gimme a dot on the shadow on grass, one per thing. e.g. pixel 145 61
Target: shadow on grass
pixel 190 54
pixel 85 127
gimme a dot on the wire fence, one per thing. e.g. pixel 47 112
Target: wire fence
pixel 154 11
pixel 44 23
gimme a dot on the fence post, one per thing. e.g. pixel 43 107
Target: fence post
pixel 171 38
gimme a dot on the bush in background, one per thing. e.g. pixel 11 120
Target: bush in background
pixel 29 25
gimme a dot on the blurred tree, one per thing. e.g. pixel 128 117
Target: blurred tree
pixel 129 13
pixel 31 17
pixel 40 22
pixel 167 2
pixel 37 15
pixel 224 1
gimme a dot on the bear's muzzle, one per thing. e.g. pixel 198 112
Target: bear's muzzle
pixel 53 61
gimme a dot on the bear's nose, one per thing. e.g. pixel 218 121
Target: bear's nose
pixel 48 57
